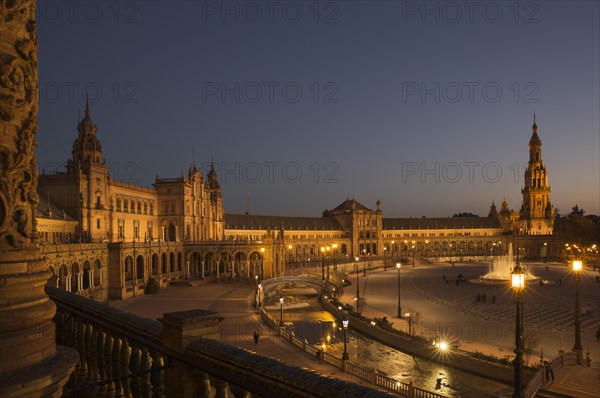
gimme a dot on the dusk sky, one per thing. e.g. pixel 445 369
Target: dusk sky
pixel 302 104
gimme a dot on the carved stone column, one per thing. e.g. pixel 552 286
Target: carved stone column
pixel 30 363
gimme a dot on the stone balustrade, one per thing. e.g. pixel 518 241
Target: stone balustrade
pixel 123 355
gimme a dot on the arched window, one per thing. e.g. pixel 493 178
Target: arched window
pixel 119 204
pixel 139 207
pixel 151 209
pixel 145 208
pixel 125 205
pixel 97 273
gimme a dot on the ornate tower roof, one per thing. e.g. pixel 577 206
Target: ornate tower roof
pixel 213 179
pixel 493 211
pixel 535 138
pixel 87 147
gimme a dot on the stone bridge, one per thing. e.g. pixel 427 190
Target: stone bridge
pixel 269 286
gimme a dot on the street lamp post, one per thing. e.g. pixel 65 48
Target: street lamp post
pixel 328 265
pixel 409 323
pixel 345 355
pixel 357 287
pixel 323 264
pixel 518 284
pixel 398 265
pixel 364 262
pixel 413 250
pixel 258 294
pixel 577 348
pixel 384 258
pixel 281 313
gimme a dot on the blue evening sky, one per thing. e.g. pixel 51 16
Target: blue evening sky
pixel 425 105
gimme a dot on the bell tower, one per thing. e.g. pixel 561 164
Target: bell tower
pixel 537 213
pixel 87 149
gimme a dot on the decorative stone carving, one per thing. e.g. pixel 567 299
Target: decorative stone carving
pixel 18 116
pixel 30 364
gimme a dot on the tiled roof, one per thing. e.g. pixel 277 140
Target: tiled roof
pixel 252 221
pixel 441 223
pixel 346 205
pixel 57 212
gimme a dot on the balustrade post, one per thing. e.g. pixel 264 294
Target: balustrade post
pixel 222 388
pixel 80 347
pixel 204 388
pixel 411 390
pixel 239 393
pixel 134 367
pixel 145 378
pixel 90 342
pixel 124 357
pixel 157 378
pixel 100 341
pixel 116 368
pixel 180 329
pixel 108 363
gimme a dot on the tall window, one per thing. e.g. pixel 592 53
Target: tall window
pixel 121 224
pixel 136 229
pixel 149 233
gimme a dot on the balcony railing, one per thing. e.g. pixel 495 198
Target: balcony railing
pixel 123 355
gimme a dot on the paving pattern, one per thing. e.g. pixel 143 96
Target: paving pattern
pixel 452 310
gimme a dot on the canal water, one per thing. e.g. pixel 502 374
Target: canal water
pixel 308 321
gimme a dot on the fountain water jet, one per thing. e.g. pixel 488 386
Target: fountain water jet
pixel 501 267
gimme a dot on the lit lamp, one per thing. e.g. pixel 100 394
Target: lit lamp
pixel 281 314
pixel 398 265
pixel 258 293
pixel 409 322
pixel 518 284
pixel 577 348
pixel 345 356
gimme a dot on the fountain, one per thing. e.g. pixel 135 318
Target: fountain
pixel 501 267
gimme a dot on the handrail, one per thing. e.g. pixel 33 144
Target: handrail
pixel 559 361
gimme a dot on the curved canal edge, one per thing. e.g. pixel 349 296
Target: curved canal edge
pixel 425 349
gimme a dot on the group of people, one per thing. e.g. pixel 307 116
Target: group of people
pixel 482 298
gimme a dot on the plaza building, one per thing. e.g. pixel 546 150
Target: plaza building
pixel 178 229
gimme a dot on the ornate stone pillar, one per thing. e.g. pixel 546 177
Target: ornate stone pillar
pixel 30 363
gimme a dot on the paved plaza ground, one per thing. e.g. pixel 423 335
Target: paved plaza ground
pixel 485 326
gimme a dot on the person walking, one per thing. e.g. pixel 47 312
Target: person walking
pixel 549 371
pixel 256 336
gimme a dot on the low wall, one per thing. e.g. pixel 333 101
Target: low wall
pixel 456 359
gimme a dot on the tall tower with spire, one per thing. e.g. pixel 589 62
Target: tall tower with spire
pixel 87 149
pixel 537 213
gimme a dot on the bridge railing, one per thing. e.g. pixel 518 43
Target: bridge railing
pixel 559 361
pixel 367 374
pixel 122 355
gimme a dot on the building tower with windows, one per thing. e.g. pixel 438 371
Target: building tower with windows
pixel 537 213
